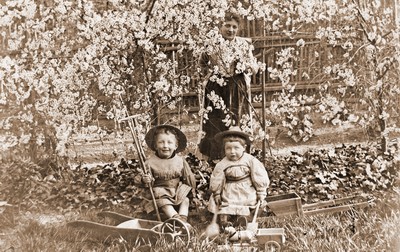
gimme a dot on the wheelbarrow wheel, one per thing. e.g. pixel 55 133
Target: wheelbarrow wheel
pixel 177 229
pixel 272 246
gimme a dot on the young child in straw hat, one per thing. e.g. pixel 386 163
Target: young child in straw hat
pixel 239 180
pixel 171 177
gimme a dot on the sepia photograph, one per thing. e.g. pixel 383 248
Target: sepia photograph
pixel 200 125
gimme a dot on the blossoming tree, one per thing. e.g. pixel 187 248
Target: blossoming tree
pixel 65 63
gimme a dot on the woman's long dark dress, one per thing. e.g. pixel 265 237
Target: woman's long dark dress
pixel 234 93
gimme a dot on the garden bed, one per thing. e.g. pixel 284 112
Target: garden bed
pixel 92 151
pixel 46 196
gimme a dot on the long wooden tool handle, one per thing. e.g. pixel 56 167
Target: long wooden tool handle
pixel 256 212
pixel 154 202
pixel 132 125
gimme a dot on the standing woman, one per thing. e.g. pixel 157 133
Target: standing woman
pixel 228 63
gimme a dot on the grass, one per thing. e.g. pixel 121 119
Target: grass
pixel 375 228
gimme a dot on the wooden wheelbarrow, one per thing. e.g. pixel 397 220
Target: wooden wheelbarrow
pixel 288 204
pixel 139 231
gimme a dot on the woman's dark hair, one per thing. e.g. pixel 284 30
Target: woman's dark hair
pixel 229 16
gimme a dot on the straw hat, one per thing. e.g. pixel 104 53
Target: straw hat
pixel 233 131
pixel 151 133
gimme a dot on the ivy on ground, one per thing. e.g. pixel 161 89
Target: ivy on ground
pixel 315 175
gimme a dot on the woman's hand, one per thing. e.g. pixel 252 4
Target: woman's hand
pixel 217 199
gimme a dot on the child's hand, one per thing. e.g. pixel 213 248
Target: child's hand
pixel 147 179
pixel 261 198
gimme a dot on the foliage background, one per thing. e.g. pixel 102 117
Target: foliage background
pixel 316 175
pixel 67 64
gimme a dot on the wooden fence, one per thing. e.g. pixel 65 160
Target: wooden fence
pixel 309 62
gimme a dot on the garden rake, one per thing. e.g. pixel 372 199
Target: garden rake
pixel 133 125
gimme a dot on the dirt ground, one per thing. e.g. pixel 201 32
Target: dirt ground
pixel 91 151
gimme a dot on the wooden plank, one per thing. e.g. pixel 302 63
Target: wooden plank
pixel 270 87
pixel 287 44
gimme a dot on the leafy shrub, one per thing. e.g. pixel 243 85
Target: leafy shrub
pixel 322 174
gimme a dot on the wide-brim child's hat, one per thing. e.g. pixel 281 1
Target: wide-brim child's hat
pixel 233 131
pixel 149 138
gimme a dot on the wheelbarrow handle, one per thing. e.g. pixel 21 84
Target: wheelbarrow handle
pixel 256 211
